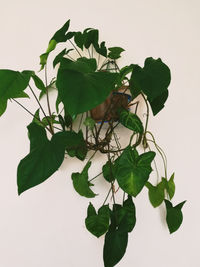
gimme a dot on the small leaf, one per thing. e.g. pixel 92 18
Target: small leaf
pixel 130 121
pixel 156 193
pixel 170 186
pixel 108 171
pixel 98 224
pixel 132 171
pixel 174 216
pixel 114 247
pixel 91 37
pixel 102 50
pixel 38 82
pixel 90 123
pixel 115 52
pixel 81 183
pixel 12 85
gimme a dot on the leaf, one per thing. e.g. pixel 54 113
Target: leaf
pixel 132 171
pixel 115 52
pixel 60 56
pixel 153 80
pixel 90 123
pixel 91 37
pixel 12 85
pixel 79 39
pixel 75 145
pixel 114 247
pixel 80 88
pixel 43 160
pixel 174 216
pixel 102 50
pixel 130 121
pixel 108 171
pixel 124 217
pixel 156 193
pixel 38 82
pixel 59 37
pixel 170 186
pixel 81 183
pixel 98 224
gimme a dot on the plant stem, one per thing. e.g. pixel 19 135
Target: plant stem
pixel 147 119
pixel 48 103
pixel 107 196
pixel 30 113
pixel 75 48
pixel 95 177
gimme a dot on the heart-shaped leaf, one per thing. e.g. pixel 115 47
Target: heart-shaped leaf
pixel 81 183
pixel 108 171
pixel 174 216
pixel 156 193
pixel 80 88
pixel 170 186
pixel 130 121
pixel 153 80
pixel 115 52
pixel 97 224
pixel 133 170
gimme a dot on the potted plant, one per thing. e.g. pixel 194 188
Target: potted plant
pixel 94 98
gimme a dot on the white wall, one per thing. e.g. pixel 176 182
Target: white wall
pixel 44 227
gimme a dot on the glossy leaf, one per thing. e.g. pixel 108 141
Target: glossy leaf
pixel 114 247
pixel 42 161
pixel 174 216
pixel 133 170
pixel 130 121
pixel 81 183
pixel 12 85
pixel 153 80
pixel 97 224
pixel 156 193
pixel 115 52
pixel 108 171
pixel 80 88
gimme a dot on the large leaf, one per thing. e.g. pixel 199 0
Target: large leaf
pixel 97 224
pixel 130 121
pixel 174 216
pixel 44 159
pixel 81 183
pixel 156 193
pixel 153 80
pixel 80 88
pixel 114 247
pixel 12 85
pixel 132 170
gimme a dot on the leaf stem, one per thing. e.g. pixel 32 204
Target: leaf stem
pixel 75 48
pixel 95 177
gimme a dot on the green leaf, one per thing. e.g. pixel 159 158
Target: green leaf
pixel 37 135
pixel 124 217
pixel 75 145
pixel 80 88
pixel 60 56
pixel 59 37
pixel 90 123
pixel 44 159
pixel 91 37
pixel 132 171
pixel 115 52
pixel 38 82
pixel 102 50
pixel 174 216
pixel 12 85
pixel 108 171
pixel 98 224
pixel 156 193
pixel 153 80
pixel 170 186
pixel 79 39
pixel 81 183
pixel 114 247
pixel 130 121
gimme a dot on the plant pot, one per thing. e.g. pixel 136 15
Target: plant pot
pixel 108 109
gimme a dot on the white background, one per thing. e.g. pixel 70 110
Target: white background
pixel 44 227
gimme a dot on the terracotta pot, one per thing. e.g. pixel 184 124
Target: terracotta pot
pixel 108 109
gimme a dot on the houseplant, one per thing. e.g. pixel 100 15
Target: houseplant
pixel 83 82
